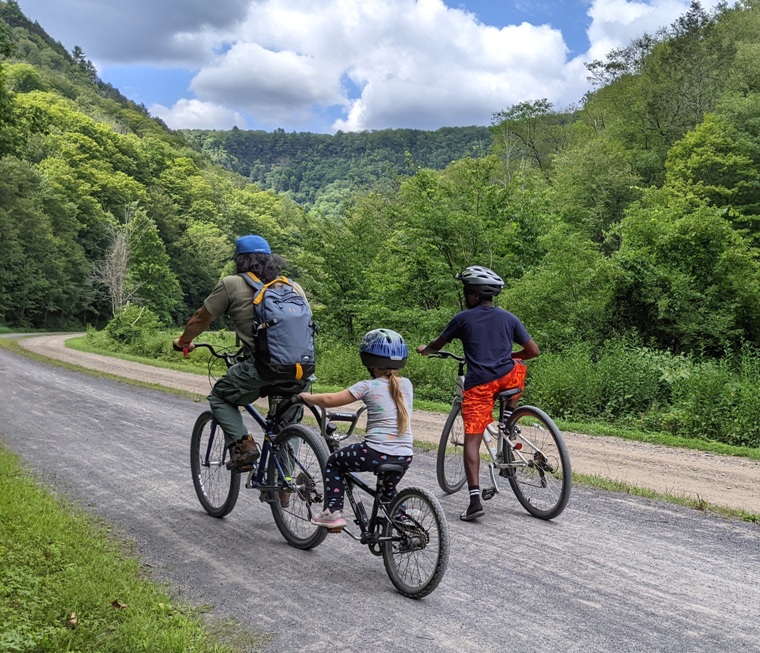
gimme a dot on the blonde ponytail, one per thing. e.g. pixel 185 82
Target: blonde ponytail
pixel 402 423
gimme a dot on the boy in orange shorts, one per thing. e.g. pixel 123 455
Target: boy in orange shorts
pixel 487 333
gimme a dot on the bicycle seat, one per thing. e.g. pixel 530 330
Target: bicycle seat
pixel 507 394
pixel 388 467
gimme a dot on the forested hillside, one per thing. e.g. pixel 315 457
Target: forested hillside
pixel 313 166
pixel 627 230
pixel 100 204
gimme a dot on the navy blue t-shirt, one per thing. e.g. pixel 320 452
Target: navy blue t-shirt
pixel 487 334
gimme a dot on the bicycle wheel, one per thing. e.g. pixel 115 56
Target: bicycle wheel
pixel 539 471
pixel 302 457
pixel 216 487
pixel 450 467
pixel 417 555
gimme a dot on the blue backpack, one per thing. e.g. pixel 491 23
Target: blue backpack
pixel 283 331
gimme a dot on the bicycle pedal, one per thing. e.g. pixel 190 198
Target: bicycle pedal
pixel 265 497
pixel 488 493
pixel 336 530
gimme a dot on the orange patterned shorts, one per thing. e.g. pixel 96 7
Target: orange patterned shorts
pixel 477 402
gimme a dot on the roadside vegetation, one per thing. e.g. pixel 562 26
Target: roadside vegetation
pixel 67 584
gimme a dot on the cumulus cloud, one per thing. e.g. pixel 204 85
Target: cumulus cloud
pixel 194 114
pixel 139 31
pixel 615 23
pixel 371 64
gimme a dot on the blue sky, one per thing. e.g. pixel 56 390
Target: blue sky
pixel 325 65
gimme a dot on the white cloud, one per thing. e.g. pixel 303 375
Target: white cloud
pixel 266 82
pixel 164 32
pixel 372 63
pixel 418 64
pixel 615 23
pixel 194 114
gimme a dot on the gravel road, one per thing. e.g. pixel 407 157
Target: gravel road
pixel 613 573
pixel 720 480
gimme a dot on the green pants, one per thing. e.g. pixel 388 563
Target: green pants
pixel 241 385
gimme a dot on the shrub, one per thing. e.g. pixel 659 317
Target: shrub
pixel 131 324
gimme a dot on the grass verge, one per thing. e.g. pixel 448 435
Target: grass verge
pixel 697 504
pixel 67 585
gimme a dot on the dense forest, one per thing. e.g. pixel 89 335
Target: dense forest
pixel 314 167
pixel 627 229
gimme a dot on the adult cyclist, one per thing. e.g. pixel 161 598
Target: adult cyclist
pixel 242 383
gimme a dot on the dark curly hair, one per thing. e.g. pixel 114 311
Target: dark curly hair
pixel 265 266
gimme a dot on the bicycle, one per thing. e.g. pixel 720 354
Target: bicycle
pixel 530 452
pixel 410 532
pixel 289 473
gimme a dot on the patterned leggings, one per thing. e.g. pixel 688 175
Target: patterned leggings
pixel 359 457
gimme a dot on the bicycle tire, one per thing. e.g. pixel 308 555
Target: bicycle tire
pixel 302 451
pixel 416 563
pixel 450 462
pixel 217 488
pixel 543 484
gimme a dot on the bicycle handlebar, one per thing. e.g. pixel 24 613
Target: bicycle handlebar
pixel 447 354
pixel 323 416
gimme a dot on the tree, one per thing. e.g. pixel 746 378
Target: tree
pixel 684 277
pixel 564 298
pixel 594 181
pixel 150 277
pixel 9 136
pixel 529 131
pixel 720 165
pixel 113 271
pixel 83 63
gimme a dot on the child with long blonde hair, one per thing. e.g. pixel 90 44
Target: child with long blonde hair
pixel 388 438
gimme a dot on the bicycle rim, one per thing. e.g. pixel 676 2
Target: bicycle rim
pixel 418 554
pixel 450 463
pixel 217 488
pixel 302 457
pixel 539 472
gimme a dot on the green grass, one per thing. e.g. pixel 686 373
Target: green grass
pixel 665 439
pixel 697 504
pixel 66 584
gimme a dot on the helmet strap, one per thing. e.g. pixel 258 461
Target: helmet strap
pixel 372 371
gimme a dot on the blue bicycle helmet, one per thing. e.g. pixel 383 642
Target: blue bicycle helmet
pixel 383 349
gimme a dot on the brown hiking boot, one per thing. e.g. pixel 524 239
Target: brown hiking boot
pixel 243 454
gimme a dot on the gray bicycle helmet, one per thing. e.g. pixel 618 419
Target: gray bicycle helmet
pixel 383 349
pixel 486 282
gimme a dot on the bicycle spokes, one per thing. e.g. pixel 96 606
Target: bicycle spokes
pixel 538 462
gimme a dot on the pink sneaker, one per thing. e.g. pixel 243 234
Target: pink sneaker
pixel 330 520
